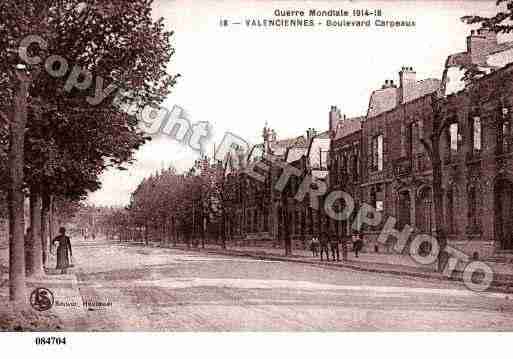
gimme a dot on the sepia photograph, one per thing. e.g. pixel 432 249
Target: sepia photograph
pixel 229 167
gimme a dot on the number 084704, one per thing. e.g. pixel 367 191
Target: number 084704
pixel 50 340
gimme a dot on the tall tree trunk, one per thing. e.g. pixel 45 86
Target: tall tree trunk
pixel 45 212
pixel 35 264
pixel 188 234
pixel 51 225
pixel 175 231
pixel 288 238
pixel 223 230
pixel 17 289
pixel 285 222
pixel 436 163
pixel 203 223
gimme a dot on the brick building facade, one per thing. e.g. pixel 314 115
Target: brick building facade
pixel 258 213
pixel 379 159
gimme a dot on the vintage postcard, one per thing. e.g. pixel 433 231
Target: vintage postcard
pixel 255 166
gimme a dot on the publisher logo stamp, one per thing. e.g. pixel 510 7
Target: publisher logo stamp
pixel 41 299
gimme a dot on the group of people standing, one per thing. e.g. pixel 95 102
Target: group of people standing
pixel 327 243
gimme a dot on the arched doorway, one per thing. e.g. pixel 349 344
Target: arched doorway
pixel 504 213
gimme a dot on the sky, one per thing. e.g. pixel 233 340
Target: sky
pixel 239 78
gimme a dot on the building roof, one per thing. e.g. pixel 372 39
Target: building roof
pixel 459 59
pixel 383 100
pixel 348 126
pixel 386 99
pixel 421 88
pixel 464 59
pixel 279 147
pixel 325 134
pixel 485 55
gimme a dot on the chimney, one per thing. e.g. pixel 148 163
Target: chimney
pixel 407 79
pixel 388 84
pixel 479 44
pixel 334 117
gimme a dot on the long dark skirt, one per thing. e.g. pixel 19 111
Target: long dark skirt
pixel 62 257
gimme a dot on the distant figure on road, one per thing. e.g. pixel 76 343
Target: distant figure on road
pixel 314 246
pixel 357 243
pixel 324 246
pixel 334 248
pixel 64 252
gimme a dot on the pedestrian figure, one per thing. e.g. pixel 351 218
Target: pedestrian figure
pixel 324 246
pixel 64 253
pixel 314 246
pixel 357 244
pixel 334 248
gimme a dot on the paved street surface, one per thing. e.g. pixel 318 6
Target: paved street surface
pixel 145 288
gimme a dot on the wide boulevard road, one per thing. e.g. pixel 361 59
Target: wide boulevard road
pixel 160 289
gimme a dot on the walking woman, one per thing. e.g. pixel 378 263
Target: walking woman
pixel 64 252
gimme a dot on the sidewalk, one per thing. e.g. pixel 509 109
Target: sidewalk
pixel 369 262
pixel 67 312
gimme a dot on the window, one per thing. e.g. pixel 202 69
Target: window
pixel 380 153
pixel 344 163
pixel 355 167
pixel 476 135
pixel 454 137
pixel 377 153
pixel 506 127
pixel 504 133
pixel 472 210
pixel 416 134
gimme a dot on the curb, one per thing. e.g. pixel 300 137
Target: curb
pixel 496 286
